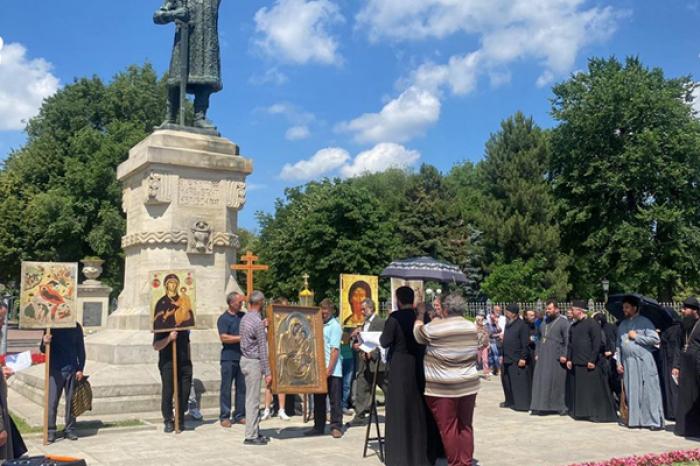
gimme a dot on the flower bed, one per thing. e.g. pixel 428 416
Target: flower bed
pixel 37 358
pixel 670 458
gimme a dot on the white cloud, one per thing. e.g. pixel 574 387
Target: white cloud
pixel 271 76
pixel 549 32
pixel 400 120
pixel 24 84
pixel 380 158
pixel 334 159
pixel 298 31
pixel 696 99
pixel 322 162
pixel 297 118
pixel 297 133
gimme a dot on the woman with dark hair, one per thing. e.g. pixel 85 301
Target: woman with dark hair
pixel 358 292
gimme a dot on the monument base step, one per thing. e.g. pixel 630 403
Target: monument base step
pixel 128 390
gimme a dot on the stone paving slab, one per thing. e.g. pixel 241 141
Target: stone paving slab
pixel 503 438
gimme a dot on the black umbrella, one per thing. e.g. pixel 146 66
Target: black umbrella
pixel 648 307
pixel 424 268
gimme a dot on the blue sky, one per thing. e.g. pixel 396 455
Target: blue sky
pixel 317 88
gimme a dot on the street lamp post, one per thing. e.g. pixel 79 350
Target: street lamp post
pixel 606 288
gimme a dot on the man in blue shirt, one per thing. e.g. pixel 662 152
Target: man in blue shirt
pixel 332 334
pixel 65 369
pixel 229 325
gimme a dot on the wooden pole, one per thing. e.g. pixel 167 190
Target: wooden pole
pixel 176 394
pixel 47 349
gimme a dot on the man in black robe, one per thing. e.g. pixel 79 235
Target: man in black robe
pixel 549 380
pixel 589 396
pixel 517 368
pixel 669 350
pixel 687 370
pixel 406 429
pixel 607 348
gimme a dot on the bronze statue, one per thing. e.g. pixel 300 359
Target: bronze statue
pixel 195 66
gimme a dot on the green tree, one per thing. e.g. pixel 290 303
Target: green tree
pixel 325 229
pixel 626 167
pixel 517 212
pixel 59 197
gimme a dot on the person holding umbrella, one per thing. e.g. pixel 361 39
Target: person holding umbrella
pixel 636 342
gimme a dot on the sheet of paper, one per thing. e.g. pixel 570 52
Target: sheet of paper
pixel 19 362
pixel 369 341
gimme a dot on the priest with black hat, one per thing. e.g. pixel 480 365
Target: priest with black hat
pixel 516 363
pixel 687 370
pixel 589 396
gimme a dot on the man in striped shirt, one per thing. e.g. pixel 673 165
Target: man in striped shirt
pixel 451 376
pixel 254 365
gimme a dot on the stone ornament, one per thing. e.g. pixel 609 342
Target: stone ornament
pixel 92 269
pixel 153 238
pixel 235 194
pixel 158 188
pixel 200 240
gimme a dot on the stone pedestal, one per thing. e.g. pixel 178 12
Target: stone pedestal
pixel 181 194
pixel 93 306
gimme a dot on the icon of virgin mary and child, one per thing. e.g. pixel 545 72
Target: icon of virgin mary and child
pixel 174 310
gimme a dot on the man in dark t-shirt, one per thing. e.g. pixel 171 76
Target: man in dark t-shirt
pixel 228 325
pixel 162 342
pixel 65 370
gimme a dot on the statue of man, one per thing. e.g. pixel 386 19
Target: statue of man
pixel 203 72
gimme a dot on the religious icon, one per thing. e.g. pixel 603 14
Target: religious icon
pixel 416 285
pixel 172 300
pixel 353 290
pixel 48 295
pixel 297 358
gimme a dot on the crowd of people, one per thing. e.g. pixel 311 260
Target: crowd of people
pixel 583 366
pixel 434 361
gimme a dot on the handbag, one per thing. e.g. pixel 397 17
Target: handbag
pixel 82 398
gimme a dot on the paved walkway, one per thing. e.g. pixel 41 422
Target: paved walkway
pixel 503 437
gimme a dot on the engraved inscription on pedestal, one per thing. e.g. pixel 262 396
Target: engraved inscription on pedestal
pixel 92 314
pixel 199 193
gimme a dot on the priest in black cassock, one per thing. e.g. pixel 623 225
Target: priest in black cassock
pixel 688 372
pixel 608 363
pixel 517 367
pixel 669 350
pixel 406 431
pixel 589 396
pixel 549 381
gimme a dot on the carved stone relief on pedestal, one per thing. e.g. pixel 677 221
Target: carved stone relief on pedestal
pixel 159 187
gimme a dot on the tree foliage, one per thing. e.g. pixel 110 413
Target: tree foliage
pixel 325 229
pixel 517 214
pixel 626 168
pixel 59 197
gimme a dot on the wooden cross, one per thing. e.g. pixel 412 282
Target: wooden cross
pixel 249 267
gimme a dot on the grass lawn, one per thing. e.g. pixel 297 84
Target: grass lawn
pixel 25 428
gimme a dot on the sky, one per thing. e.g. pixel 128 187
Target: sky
pixel 326 88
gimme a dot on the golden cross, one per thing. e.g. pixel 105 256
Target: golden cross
pixel 306 277
pixel 248 266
